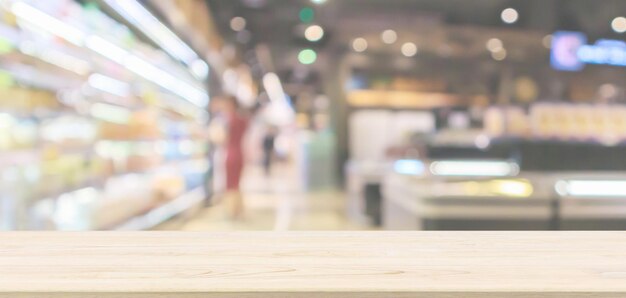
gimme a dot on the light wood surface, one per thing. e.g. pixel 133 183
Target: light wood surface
pixel 313 264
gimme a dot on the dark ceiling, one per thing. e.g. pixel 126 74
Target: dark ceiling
pixel 462 26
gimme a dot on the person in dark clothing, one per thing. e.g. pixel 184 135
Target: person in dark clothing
pixel 268 150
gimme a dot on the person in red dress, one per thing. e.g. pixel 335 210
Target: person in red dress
pixel 237 125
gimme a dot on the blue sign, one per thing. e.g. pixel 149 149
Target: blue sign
pixel 570 51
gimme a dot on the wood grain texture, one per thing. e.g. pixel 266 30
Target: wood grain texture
pixel 313 264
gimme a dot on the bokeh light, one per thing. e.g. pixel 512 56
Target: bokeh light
pixel 307 56
pixel 509 15
pixel 499 55
pixel 237 23
pixel 359 44
pixel 389 36
pixel 314 33
pixel 409 49
pixel 619 24
pixel 307 15
pixel 494 45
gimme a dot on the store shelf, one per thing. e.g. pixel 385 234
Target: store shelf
pixel 164 212
pixel 313 264
pixel 400 99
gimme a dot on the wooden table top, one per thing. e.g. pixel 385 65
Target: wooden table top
pixel 313 264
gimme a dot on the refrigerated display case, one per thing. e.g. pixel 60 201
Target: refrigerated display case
pixel 592 201
pixel 466 195
pixel 97 127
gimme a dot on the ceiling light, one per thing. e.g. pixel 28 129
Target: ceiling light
pixel 318 1
pixel 314 33
pixel 499 55
pixel 509 15
pixel 389 36
pixel 409 49
pixel 237 23
pixel 307 15
pixel 307 56
pixel 359 44
pixel 619 24
pixel 494 45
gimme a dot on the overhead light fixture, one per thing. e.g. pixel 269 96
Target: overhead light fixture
pixel 499 55
pixel 307 56
pixel 145 21
pixel 314 33
pixel 494 45
pixel 475 168
pixel 389 36
pixel 509 15
pixel 591 188
pixel 307 15
pixel 237 24
pixel 318 1
pixel 359 44
pixel 409 49
pixel 619 24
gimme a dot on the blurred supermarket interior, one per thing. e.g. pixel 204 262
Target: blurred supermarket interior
pixel 211 115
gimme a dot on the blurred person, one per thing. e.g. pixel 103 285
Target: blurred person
pixel 269 142
pixel 237 122
pixel 216 140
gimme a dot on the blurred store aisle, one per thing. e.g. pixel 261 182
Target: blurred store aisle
pixel 276 203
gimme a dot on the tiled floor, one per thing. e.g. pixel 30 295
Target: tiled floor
pixel 275 203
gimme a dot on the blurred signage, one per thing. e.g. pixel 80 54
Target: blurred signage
pixel 570 51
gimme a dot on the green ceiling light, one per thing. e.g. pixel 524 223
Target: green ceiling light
pixel 307 56
pixel 307 15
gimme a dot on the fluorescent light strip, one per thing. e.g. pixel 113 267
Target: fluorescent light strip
pixel 139 16
pixel 112 52
pixel 474 168
pixel 166 80
pixel 592 188
pixel 147 70
pixel 409 167
pixel 106 48
pixel 48 23
pixel 110 85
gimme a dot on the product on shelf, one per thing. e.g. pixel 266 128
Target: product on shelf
pixel 604 123
pixel 83 133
